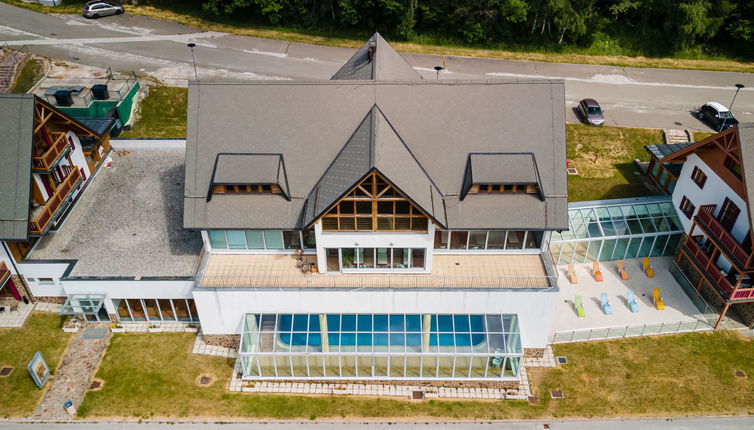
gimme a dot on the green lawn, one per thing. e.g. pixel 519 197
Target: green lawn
pixel 614 174
pixel 42 332
pixel 154 376
pixel 163 114
pixel 29 75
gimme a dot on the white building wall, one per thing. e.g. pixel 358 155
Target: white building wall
pixel 714 193
pixel 32 271
pixel 221 311
pixel 373 240
pixel 130 289
pixel 77 155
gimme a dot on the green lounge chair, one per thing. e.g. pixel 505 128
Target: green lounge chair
pixel 580 307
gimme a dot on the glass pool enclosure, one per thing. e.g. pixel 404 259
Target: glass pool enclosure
pixel 617 230
pixel 381 346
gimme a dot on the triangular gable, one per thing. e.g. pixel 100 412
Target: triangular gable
pixel 44 111
pixel 376 60
pixel 375 145
pixel 727 139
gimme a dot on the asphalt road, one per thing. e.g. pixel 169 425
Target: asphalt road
pixel 654 424
pixel 657 98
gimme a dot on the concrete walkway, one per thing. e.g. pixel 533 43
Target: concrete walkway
pixel 75 373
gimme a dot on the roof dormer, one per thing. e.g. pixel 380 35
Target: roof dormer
pixel 501 173
pixel 249 174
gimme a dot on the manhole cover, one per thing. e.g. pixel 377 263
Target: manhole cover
pixel 205 380
pixel 739 374
pixel 534 400
pixel 561 360
pixel 5 371
pixel 417 395
pixel 572 171
pixel 95 385
pixel 556 394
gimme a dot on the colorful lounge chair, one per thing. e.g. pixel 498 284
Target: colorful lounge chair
pixel 606 308
pixel 647 265
pixel 572 275
pixel 632 302
pixel 658 300
pixel 580 307
pixel 622 270
pixel 596 270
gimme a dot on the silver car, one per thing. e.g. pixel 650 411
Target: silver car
pixel 96 9
pixel 591 112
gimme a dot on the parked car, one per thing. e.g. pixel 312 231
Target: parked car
pixel 716 116
pixel 96 9
pixel 591 112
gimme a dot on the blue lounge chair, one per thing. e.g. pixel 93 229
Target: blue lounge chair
pixel 632 302
pixel 606 308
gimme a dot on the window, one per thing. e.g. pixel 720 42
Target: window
pixel 380 258
pixel 488 240
pixel 46 281
pixel 733 166
pixel 246 189
pixel 503 188
pixel 698 177
pixel 374 205
pixel 687 207
pixel 261 239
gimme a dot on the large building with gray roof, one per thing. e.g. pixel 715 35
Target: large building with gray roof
pixel 376 225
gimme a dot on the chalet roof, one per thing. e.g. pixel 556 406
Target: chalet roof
pixel 16 139
pixel 417 133
pixel 237 169
pixel 666 149
pixel 746 143
pixel 376 60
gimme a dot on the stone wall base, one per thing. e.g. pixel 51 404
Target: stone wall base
pixel 223 340
pixel 534 352
pixel 22 288
pixel 404 382
pixel 50 299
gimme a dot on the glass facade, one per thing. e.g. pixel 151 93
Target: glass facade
pixel 493 240
pixel 261 239
pixel 375 258
pixel 160 310
pixel 618 231
pixel 381 346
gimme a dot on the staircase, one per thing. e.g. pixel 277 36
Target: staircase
pixel 676 136
pixel 9 64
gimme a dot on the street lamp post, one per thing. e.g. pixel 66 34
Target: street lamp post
pixel 437 71
pixel 193 59
pixel 730 108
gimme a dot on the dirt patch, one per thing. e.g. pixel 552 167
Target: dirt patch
pixel 205 380
pixel 6 371
pixel 96 385
pixel 740 374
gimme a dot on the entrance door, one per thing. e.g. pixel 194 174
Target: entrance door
pixel 728 214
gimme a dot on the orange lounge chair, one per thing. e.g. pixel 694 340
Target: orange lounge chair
pixel 572 275
pixel 658 300
pixel 647 265
pixel 596 270
pixel 622 270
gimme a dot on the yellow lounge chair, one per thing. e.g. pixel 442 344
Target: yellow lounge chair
pixel 658 300
pixel 648 268
pixel 622 270
pixel 596 270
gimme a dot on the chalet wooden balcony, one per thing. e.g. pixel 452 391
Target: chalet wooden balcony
pixel 53 155
pixel 708 268
pixel 4 273
pixel 42 221
pixel 719 234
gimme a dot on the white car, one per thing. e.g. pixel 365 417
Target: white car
pixel 96 9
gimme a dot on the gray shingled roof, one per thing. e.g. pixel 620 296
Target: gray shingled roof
pixel 666 149
pixel 17 126
pixel 236 169
pixel 435 126
pixel 746 143
pixel 384 63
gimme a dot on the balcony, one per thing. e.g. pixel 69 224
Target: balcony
pixel 48 160
pixel 4 273
pixel 708 268
pixel 41 221
pixel 720 235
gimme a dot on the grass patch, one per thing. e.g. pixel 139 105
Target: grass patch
pixel 154 376
pixel 42 332
pixel 32 72
pixel 163 114
pixel 612 175
pixel 422 44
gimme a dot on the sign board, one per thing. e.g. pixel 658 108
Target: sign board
pixel 38 369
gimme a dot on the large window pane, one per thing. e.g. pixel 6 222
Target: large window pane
pixel 515 240
pixel 292 239
pixel 151 306
pixel 137 311
pixel 122 310
pixel 181 310
pixel 254 239
pixel 429 366
pixel 458 239
pixel 383 258
pixel 166 309
pixel 273 239
pixel 217 239
pixel 496 240
pixel 441 239
pixel 401 258
pixel 477 239
pixel 310 241
pixel 236 239
pixel 534 239
pixel 417 257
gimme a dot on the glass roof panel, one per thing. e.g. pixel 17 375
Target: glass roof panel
pixel 82 304
pixel 603 213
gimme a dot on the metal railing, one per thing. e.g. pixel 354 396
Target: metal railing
pixel 55 202
pixel 730 244
pixel 4 273
pixel 630 331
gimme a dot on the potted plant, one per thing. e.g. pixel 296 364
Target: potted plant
pixel 117 328
pixel 191 328
pixel 154 328
pixel 71 326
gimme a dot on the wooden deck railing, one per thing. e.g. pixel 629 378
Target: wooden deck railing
pixel 708 267
pixel 731 245
pixel 4 273
pixel 40 222
pixel 47 160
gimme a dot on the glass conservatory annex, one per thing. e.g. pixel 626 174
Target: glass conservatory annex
pixel 381 346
